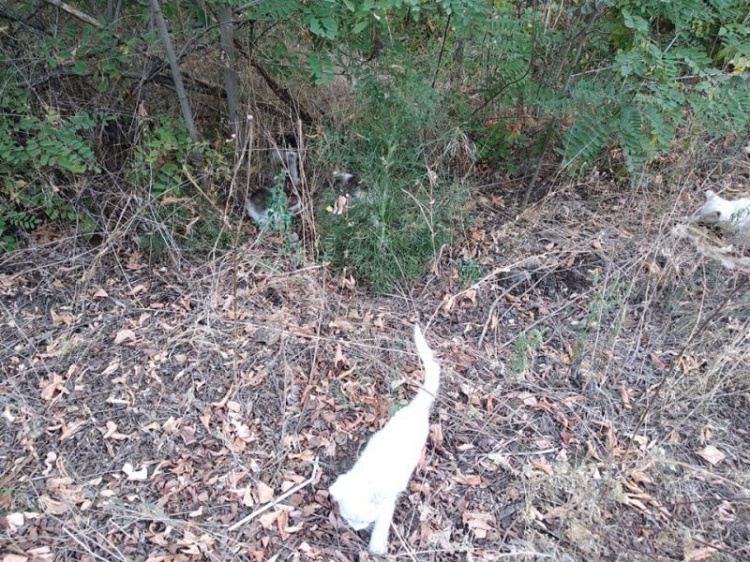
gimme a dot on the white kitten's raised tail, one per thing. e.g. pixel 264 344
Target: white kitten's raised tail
pixel 368 493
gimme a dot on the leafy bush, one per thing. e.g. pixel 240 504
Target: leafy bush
pixel 162 162
pixel 667 61
pixel 573 79
pixel 41 150
pixel 409 209
pixel 280 219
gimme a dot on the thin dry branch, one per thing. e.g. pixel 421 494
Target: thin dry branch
pixel 75 12
pixel 282 93
pixel 280 498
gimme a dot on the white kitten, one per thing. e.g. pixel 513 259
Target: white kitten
pixel 368 493
pixel 733 216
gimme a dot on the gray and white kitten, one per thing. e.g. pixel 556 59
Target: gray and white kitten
pixel 256 206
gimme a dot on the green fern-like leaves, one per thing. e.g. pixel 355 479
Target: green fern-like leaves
pixel 634 140
pixel 600 121
pixel 585 139
pixel 594 121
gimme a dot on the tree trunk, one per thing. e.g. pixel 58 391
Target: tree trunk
pixel 166 40
pixel 230 72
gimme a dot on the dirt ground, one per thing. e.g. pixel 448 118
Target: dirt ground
pixel 595 399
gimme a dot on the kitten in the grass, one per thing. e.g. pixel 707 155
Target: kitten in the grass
pixel 257 209
pixel 368 493
pixel 285 155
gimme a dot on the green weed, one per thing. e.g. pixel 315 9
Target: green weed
pixel 525 348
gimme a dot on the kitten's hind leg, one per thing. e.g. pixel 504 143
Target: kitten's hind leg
pixel 379 537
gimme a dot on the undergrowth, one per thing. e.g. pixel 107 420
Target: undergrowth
pixel 411 201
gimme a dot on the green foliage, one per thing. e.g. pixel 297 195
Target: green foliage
pixel 469 272
pixel 620 74
pixel 609 300
pixel 161 162
pixel 620 78
pixel 41 151
pixel 159 157
pixel 391 234
pixel 339 29
pixel 279 218
pixel 666 63
pixel 525 347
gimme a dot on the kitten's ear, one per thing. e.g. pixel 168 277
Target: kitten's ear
pixel 710 195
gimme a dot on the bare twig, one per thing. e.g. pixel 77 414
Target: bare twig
pixel 75 12
pixel 442 49
pixel 280 498
pixel 282 93
pixel 191 179
pixel 678 360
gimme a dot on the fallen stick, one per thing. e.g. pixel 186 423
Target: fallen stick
pixel 275 501
pixel 75 12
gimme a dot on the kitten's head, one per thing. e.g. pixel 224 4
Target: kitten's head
pixel 356 504
pixel 715 210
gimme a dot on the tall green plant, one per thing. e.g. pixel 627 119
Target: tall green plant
pixel 392 233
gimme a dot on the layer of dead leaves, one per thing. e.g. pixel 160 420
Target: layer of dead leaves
pixel 146 411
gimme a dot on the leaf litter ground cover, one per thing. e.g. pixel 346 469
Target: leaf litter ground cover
pixel 584 413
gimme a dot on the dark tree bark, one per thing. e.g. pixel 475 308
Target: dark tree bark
pixel 230 71
pixel 282 93
pixel 161 26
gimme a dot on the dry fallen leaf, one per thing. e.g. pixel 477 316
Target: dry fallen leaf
pixel 556 513
pixel 138 289
pixel 69 430
pixel 269 518
pixel 580 535
pixel 625 396
pixel 41 554
pixel 542 465
pixel 711 454
pixel 52 507
pixel 468 479
pixel 52 386
pixel 188 434
pixel 527 398
pixel 124 335
pixel 265 492
pixel 15 558
pixel 640 477
pixel 111 368
pixel 15 520
pixel 62 318
pixel 112 433
pixel 699 555
pixel 479 523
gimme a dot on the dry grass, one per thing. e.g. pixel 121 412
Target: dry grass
pixel 224 380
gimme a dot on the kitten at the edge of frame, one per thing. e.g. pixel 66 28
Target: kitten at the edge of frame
pixel 368 493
